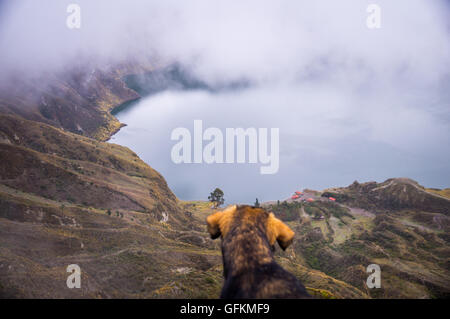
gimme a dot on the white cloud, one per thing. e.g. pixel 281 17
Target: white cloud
pixel 314 57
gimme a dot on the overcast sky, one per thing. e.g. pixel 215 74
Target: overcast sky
pixel 390 84
pixel 261 40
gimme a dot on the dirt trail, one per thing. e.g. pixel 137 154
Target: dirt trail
pixel 304 214
pixel 359 211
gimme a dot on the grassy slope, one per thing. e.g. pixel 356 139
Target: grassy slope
pixel 68 199
pixel 410 245
pixel 78 100
pixel 442 192
pixel 124 257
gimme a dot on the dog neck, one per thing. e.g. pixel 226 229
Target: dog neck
pixel 244 250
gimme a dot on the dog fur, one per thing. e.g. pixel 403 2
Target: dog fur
pixel 248 242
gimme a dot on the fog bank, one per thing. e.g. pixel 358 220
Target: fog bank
pixel 316 60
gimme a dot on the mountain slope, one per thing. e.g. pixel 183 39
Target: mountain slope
pixel 68 199
pixel 396 224
pixel 78 99
pixel 393 194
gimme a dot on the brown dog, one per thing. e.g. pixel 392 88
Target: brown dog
pixel 248 241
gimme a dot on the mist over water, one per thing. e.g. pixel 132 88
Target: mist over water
pixel 320 143
pixel 351 102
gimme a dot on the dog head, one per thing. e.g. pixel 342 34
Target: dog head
pixel 220 223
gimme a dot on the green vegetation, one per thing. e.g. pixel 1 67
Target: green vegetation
pixel 216 197
pixel 327 209
pixel 441 192
pixel 340 197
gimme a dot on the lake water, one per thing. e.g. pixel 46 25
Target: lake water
pixel 328 138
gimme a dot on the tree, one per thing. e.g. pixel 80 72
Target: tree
pixel 256 203
pixel 108 212
pixel 216 197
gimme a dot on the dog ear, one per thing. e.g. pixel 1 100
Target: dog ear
pixel 213 224
pixel 279 231
pixel 218 223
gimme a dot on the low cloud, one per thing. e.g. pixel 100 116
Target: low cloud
pixel 386 86
pixel 259 40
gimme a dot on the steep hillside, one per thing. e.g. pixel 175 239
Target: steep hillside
pixel 393 194
pixel 46 161
pixel 79 99
pixel 68 199
pixel 410 242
